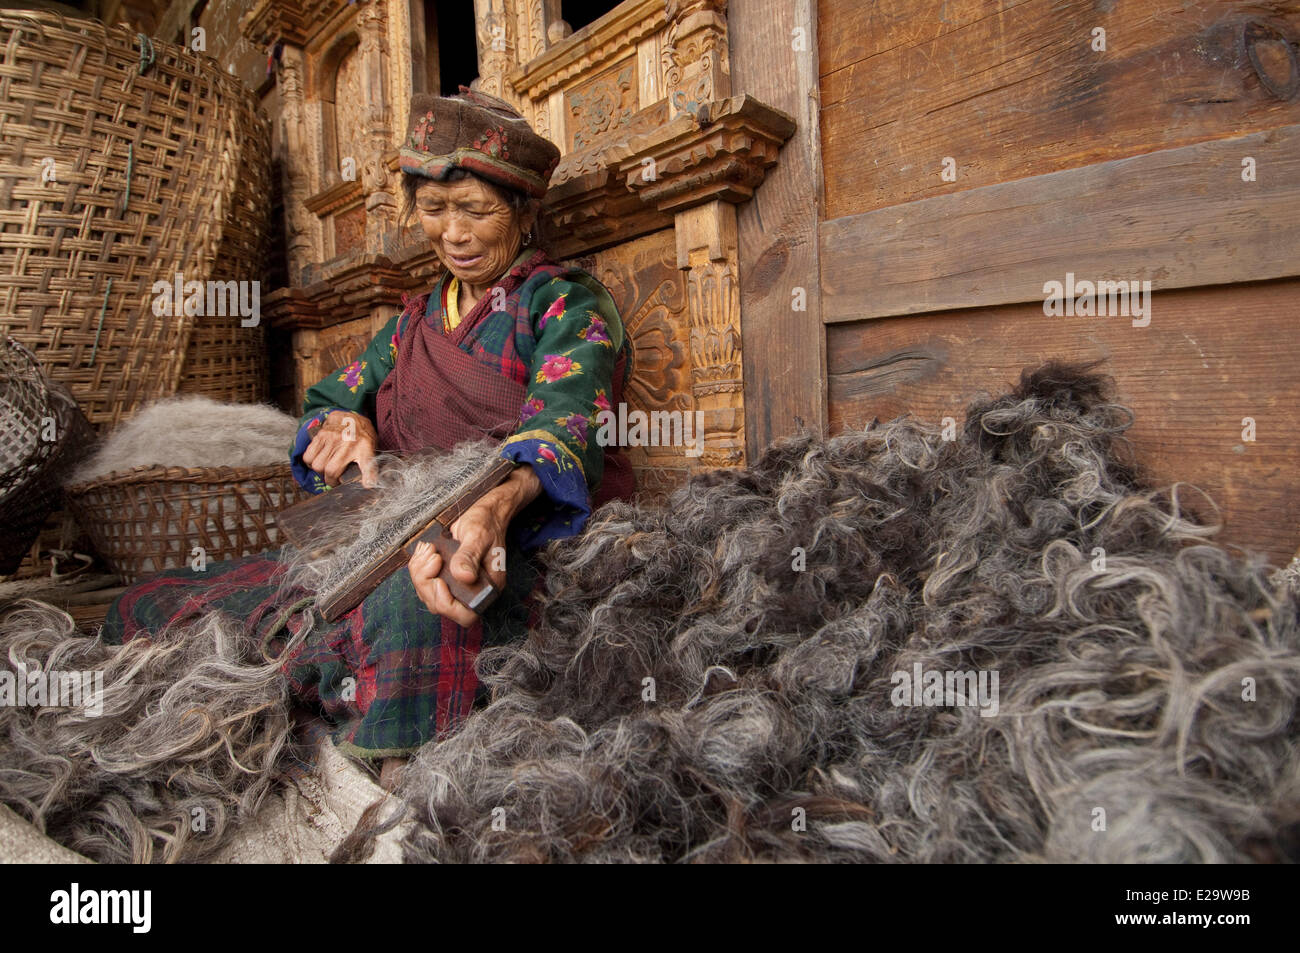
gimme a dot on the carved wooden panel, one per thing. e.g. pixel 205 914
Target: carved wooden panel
pixel 651 295
pixel 350 231
pixel 350 109
pixel 341 345
pixel 601 104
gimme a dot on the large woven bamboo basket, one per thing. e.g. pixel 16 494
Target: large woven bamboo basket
pixel 124 161
pixel 149 519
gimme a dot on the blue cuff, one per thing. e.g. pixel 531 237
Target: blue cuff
pixel 565 487
pixel 307 478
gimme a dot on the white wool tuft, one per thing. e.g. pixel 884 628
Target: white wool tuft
pixel 194 432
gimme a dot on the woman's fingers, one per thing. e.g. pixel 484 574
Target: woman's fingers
pixel 447 606
pixel 314 449
pixel 369 469
pixel 332 456
pixel 321 448
pixel 335 464
pixel 344 438
pixel 469 557
pixel 425 563
pixel 424 567
pixel 482 547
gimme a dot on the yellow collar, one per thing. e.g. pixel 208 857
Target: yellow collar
pixel 453 304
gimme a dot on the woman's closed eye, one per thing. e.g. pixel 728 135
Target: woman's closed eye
pixel 478 214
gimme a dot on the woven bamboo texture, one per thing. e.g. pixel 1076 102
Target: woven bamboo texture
pixel 123 161
pixel 149 519
pixel 226 364
pixel 42 433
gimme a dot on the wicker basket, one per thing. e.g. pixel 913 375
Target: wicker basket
pixel 227 363
pixel 149 519
pixel 32 409
pixel 124 161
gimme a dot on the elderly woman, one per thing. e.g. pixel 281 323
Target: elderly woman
pixel 506 344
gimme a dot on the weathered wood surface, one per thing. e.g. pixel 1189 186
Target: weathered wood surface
pixel 1209 358
pixel 783 348
pixel 1177 217
pixel 1015 89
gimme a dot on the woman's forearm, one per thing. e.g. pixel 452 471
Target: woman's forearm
pixel 518 490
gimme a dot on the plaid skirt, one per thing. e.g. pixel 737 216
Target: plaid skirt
pixel 388 676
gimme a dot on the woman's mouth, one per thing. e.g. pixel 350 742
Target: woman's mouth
pixel 468 261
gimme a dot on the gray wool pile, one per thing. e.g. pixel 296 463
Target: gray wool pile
pixel 193 432
pixel 750 674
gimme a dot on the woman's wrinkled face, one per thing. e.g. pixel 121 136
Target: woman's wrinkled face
pixel 475 233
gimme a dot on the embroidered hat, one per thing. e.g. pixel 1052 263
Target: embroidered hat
pixel 480 133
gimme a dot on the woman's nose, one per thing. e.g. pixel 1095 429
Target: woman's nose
pixel 457 230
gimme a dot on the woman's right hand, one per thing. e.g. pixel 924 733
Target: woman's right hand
pixel 343 438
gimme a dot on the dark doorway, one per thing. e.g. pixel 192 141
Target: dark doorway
pixel 457 47
pixel 578 13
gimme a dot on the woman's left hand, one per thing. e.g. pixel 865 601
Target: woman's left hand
pixel 481 532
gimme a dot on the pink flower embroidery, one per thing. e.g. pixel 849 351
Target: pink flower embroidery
pixel 392 348
pixel 557 367
pixel 601 401
pixel 493 142
pixel 556 310
pixel 546 455
pixel 421 130
pixel 352 375
pixel 532 407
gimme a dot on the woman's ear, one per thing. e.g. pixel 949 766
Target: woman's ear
pixel 528 216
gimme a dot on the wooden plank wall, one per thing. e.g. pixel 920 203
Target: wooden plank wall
pixel 1126 162
pixel 1176 217
pixel 1015 89
pixel 1210 358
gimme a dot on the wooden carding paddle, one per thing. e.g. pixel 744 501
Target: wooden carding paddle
pixel 302 523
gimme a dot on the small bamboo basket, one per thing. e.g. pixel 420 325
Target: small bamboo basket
pixel 148 519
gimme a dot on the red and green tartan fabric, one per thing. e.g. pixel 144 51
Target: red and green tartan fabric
pixel 389 676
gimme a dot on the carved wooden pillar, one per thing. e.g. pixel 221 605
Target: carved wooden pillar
pixel 696 168
pixel 694 59
pixel 696 72
pixel 707 250
pixel 495 30
pixel 398 61
pixel 531 18
pixel 381 205
pixel 302 229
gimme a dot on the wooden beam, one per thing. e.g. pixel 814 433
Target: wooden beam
pixel 1178 218
pixel 774 59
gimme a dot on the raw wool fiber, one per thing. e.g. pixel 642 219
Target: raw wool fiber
pixel 193 733
pixel 194 432
pixel 770 730
pixel 194 719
